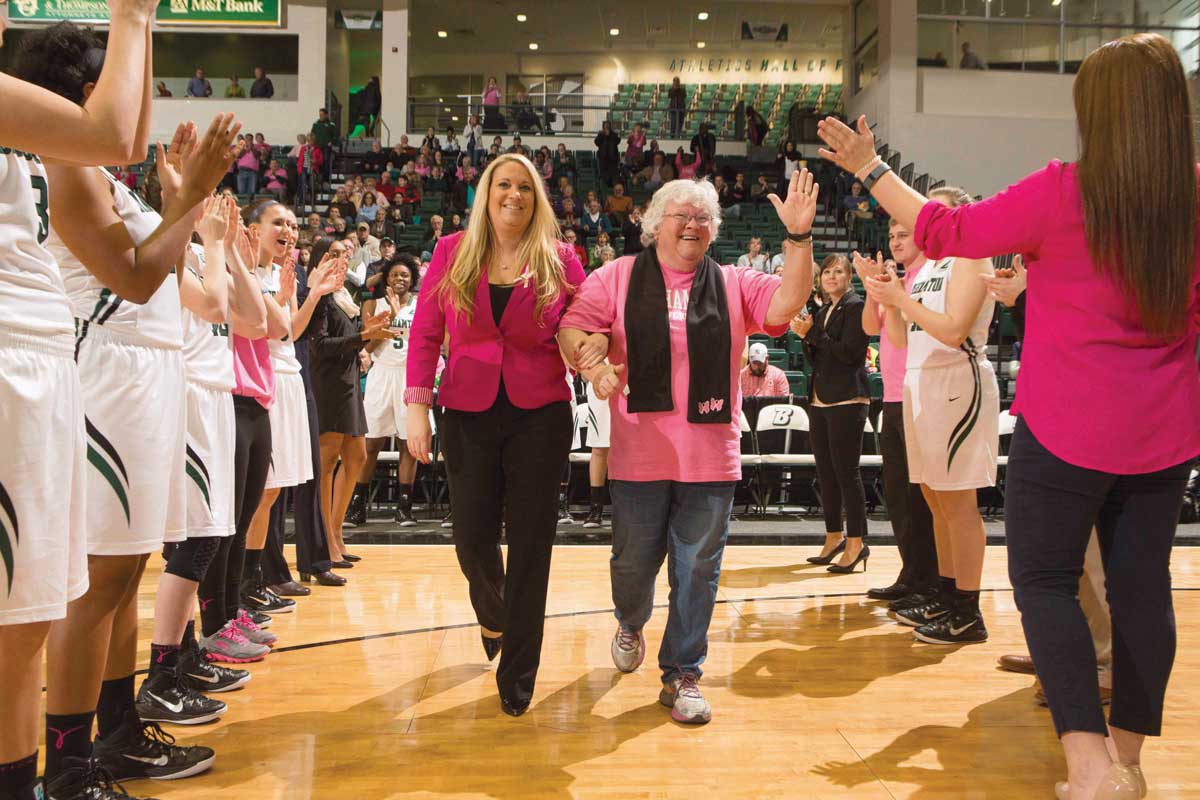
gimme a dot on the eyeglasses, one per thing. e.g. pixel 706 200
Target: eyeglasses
pixel 683 219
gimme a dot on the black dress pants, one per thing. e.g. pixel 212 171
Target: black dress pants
pixel 504 466
pixel 836 435
pixel 912 521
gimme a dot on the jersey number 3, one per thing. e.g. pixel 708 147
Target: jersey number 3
pixel 42 205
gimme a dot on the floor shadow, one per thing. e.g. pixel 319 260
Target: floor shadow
pixel 370 750
pixel 976 761
pixel 757 577
pixel 822 662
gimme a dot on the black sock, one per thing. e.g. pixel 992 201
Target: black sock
pixel 18 775
pixel 598 497
pixel 966 602
pixel 360 490
pixel 163 657
pixel 253 564
pixel 406 492
pixel 189 635
pixel 946 589
pixel 116 700
pixel 67 736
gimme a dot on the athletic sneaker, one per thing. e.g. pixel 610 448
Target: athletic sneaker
pixel 252 632
pixel 404 515
pixel 356 513
pixel 595 517
pixel 448 520
pixel 687 704
pixel 164 698
pixel 257 617
pixel 911 601
pixel 85 779
pixel 628 649
pixel 565 518
pixel 232 647
pixel 257 596
pixel 923 614
pixel 200 675
pixel 956 628
pixel 138 749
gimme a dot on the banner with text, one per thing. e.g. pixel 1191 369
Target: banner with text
pixel 260 13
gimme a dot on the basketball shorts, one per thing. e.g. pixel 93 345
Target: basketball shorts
pixel 43 534
pixel 951 426
pixel 135 409
pixel 599 420
pixel 387 415
pixel 291 444
pixel 211 439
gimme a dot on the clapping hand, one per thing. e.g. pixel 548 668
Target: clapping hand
pixel 1007 284
pixel 886 289
pixel 169 162
pixel 799 210
pixel 329 275
pixel 206 164
pixel 213 220
pixel 850 149
pixel 377 327
pixel 866 268
pixel 393 301
pixel 801 324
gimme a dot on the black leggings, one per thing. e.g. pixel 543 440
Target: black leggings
pixel 504 465
pixel 221 588
pixel 836 434
pixel 1050 509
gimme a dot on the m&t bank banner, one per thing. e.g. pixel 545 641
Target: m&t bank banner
pixel 170 12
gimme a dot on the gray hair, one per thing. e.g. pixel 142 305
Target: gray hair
pixel 685 192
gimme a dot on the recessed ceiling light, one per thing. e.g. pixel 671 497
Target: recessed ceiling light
pixel 440 100
pixel 521 17
pixel 700 45
pixel 703 15
pixel 614 31
pixel 533 45
pixel 442 34
pixel 454 118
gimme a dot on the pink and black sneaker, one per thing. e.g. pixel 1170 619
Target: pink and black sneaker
pixel 231 646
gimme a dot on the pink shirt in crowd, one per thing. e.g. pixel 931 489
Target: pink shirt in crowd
pixel 892 359
pixel 248 160
pixel 1094 388
pixel 253 373
pixel 663 445
pixel 773 383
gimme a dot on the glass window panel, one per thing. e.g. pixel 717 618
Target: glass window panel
pixel 1170 13
pixel 1041 48
pixel 1006 46
pixel 974 34
pixel 866 69
pixel 1082 40
pixel 1037 9
pixel 964 8
pixel 1187 44
pixel 1111 12
pixel 935 43
pixel 866 21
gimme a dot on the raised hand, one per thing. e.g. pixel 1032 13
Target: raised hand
pixel 393 301
pixel 213 221
pixel 848 148
pixel 233 221
pixel 886 289
pixel 255 242
pixel 799 210
pixel 801 324
pixel 1007 284
pixel 865 267
pixel 287 281
pixel 140 10
pixel 327 277
pixel 209 160
pixel 170 159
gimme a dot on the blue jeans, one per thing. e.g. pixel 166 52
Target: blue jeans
pixel 688 524
pixel 247 181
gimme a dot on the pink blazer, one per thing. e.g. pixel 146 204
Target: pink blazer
pixel 522 350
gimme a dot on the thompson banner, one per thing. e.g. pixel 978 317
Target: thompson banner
pixel 260 13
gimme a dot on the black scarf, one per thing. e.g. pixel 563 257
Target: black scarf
pixel 648 342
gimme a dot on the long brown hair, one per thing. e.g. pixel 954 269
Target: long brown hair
pixel 1137 174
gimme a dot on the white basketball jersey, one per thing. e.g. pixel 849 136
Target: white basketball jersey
pixel 156 323
pixel 924 351
pixel 395 353
pixel 32 296
pixel 207 346
pixel 283 352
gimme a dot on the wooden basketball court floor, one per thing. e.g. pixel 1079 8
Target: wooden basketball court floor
pixel 381 690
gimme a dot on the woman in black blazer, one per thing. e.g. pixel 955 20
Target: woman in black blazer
pixel 838 400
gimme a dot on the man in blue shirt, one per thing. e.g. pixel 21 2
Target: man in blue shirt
pixel 199 86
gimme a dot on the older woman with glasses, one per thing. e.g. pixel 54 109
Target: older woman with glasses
pixel 675 457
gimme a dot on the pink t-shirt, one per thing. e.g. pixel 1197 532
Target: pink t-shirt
pixel 892 359
pixel 253 373
pixel 663 445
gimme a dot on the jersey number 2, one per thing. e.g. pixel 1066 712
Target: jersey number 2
pixel 42 205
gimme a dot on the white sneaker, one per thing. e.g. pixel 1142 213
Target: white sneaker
pixel 628 649
pixel 687 704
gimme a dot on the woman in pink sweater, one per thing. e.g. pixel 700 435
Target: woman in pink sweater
pixel 1110 355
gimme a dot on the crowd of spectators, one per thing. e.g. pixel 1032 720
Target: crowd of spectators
pixel 199 86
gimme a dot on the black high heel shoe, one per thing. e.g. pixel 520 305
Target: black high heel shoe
pixel 353 559
pixel 491 647
pixel 512 709
pixel 828 559
pixel 326 578
pixel 342 565
pixel 863 555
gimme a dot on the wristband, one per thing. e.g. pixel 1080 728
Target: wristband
pixel 799 238
pixel 880 170
pixel 862 172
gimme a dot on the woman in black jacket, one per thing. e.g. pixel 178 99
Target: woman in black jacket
pixel 336 336
pixel 608 157
pixel 838 400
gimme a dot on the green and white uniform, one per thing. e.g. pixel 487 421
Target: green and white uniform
pixel 291 445
pixel 384 400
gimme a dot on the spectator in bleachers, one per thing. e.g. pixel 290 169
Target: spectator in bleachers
pixel 686 165
pixel 725 196
pixel 294 153
pixel 125 176
pixel 594 220
pixel 704 147
pixel 311 230
pixel 492 121
pixel 198 85
pixel 656 173
pixel 970 59
pixel 777 259
pixel 618 205
pixel 370 184
pixel 676 105
pixel 474 134
pixel 760 190
pixel 432 236
pixel 325 132
pixel 544 165
pixel 517 147
pixel 439 160
pixel 759 378
pixel 571 222
pixel 374 160
pixel 631 232
pixel 379 228
pixel 462 193
pixel 857 206
pixel 247 169
pixel 739 191
pixel 423 166
pixel 526 118
pixel 568 193
pixel 436 181
pixel 370 102
pixel 396 224
pixel 452 146
pixel 401 153
pixel 262 148
pixel 608 157
pixel 408 195
pixel 262 87
pixel 571 237
pixel 162 90
pixel 455 223
pixel 430 142
pixel 366 250
pixel 276 180
pixel 756 259
pixel 756 126
pixel 787 162
pixel 234 89
pixel 635 145
pixel 367 208
pixel 386 189
pixel 341 202
pixel 595 257
pixel 564 163
pixel 838 400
